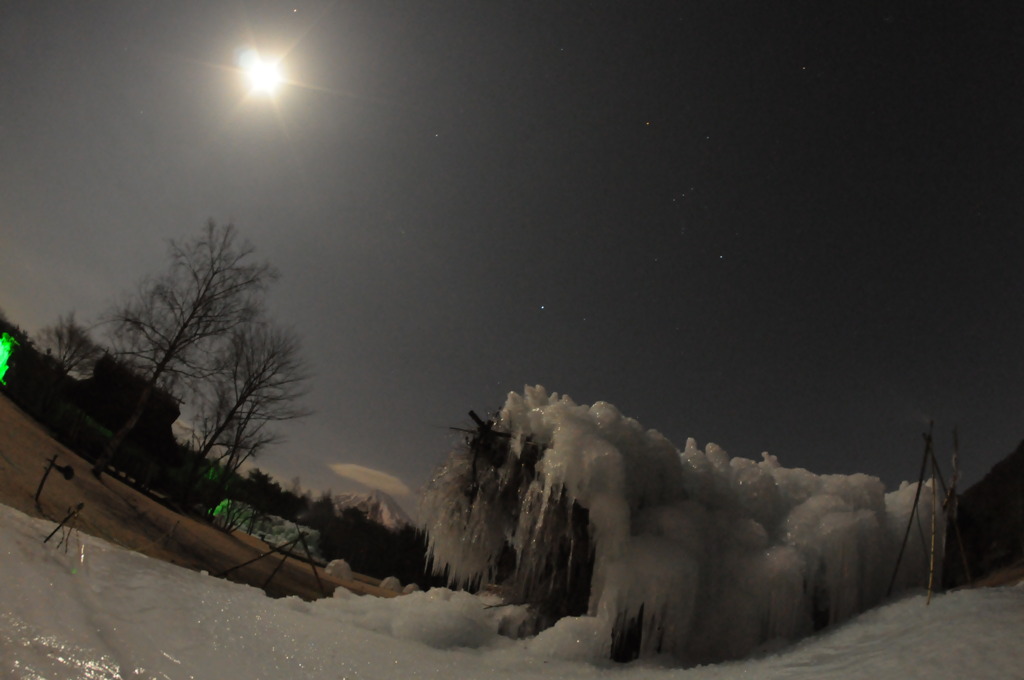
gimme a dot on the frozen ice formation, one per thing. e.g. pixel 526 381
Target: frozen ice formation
pixel 579 511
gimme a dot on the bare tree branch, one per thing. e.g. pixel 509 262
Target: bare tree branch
pixel 166 328
pixel 70 346
pixel 259 380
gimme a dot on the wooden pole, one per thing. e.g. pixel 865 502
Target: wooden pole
pixel 913 511
pixel 72 514
pixel 951 506
pixel 931 560
pixel 284 558
pixel 279 549
pixel 312 564
pixel 53 461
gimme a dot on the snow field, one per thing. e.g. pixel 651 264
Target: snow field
pixel 95 611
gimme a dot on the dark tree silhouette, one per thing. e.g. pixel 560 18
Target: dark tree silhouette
pixel 70 346
pixel 257 380
pixel 165 329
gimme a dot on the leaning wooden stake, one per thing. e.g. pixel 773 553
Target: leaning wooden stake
pixel 284 558
pixel 935 508
pixel 950 505
pixel 913 511
pixel 312 564
pixel 949 502
pixel 66 470
pixel 71 516
pixel 278 549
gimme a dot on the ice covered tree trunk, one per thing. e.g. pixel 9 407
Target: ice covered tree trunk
pixel 535 548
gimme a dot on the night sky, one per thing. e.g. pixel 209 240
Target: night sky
pixel 792 227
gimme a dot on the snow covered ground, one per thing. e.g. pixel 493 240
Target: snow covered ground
pixel 78 607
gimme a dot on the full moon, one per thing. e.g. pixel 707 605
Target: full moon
pixel 264 76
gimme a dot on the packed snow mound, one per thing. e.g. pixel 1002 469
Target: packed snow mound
pixel 339 569
pixel 392 583
pixel 378 507
pixel 691 552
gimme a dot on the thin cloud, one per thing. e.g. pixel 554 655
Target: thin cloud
pixel 375 479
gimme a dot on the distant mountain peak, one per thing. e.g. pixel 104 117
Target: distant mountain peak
pixel 377 506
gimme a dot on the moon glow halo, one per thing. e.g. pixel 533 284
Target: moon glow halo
pixel 264 76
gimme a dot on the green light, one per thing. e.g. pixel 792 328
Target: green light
pixel 7 344
pixel 221 507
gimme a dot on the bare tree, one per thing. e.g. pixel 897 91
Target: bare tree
pixel 70 346
pixel 165 329
pixel 259 380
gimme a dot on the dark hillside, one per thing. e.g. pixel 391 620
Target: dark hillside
pixel 990 517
